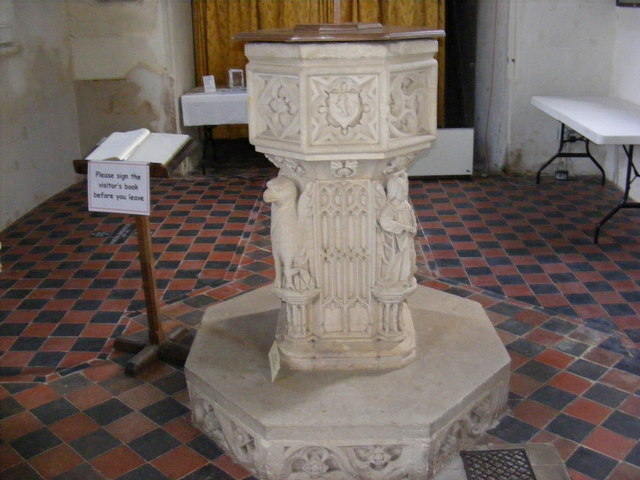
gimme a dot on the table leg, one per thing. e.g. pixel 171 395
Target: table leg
pixel 208 140
pixel 624 203
pixel 565 139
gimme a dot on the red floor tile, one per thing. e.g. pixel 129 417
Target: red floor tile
pixel 8 457
pixel 225 463
pixel 34 397
pixel 17 425
pixel 588 411
pixel 609 443
pixel 570 383
pixel 74 427
pixel 555 359
pixel 130 427
pixel 179 462
pixel 117 462
pixel 534 413
pixel 89 396
pixel 56 461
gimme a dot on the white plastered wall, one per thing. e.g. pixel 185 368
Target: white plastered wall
pixel 625 83
pixel 549 47
pixel 80 70
pixel 38 121
pixel 132 61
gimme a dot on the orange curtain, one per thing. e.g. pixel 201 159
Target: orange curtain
pixel 216 21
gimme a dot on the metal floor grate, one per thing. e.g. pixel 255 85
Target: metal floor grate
pixel 511 464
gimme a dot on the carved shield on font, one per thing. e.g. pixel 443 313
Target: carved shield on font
pixel 345 108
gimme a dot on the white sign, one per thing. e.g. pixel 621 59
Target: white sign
pixel 209 82
pixel 274 361
pixel 118 187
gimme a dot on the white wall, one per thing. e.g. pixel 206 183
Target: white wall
pixel 38 121
pixel 625 82
pixel 547 47
pixel 132 61
pixel 82 70
pixel 491 121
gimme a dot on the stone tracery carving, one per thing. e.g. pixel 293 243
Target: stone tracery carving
pixel 204 417
pixel 277 106
pixel 343 219
pixel 468 427
pixel 241 443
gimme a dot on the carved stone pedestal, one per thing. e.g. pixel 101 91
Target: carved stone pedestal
pixel 342 121
pixel 402 424
pixel 382 379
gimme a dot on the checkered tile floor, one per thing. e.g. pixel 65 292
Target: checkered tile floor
pixel 567 310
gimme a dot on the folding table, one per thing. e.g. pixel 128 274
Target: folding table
pixel 601 120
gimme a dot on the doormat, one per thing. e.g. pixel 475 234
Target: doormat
pixel 497 464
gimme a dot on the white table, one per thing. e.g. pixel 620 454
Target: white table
pixel 601 120
pixel 225 106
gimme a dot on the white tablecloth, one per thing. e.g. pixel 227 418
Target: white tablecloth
pixel 225 106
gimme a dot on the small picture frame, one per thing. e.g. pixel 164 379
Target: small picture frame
pixel 236 78
pixel 209 83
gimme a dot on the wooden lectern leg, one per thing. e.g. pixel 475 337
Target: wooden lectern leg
pixel 158 345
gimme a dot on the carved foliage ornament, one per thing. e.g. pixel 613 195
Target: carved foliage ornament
pixel 312 463
pixel 278 106
pixel 375 462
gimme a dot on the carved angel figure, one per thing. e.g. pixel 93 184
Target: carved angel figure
pixel 287 235
pixel 398 228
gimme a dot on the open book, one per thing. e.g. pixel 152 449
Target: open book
pixel 119 145
pixel 139 146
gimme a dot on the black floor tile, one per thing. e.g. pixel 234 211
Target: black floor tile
pixel 205 447
pixel 108 412
pixel 591 463
pixel 9 407
pixel 538 371
pixel 35 443
pixel 54 411
pixel 513 430
pixel 623 424
pixel 587 369
pixel 165 410
pixel 145 472
pixel 94 444
pixel 611 397
pixel 570 427
pixel 154 444
pixel 21 471
pixel 553 397
pixel 209 472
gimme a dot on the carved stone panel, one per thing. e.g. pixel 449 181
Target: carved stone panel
pixel 277 107
pixel 343 222
pixel 344 109
pixel 409 104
